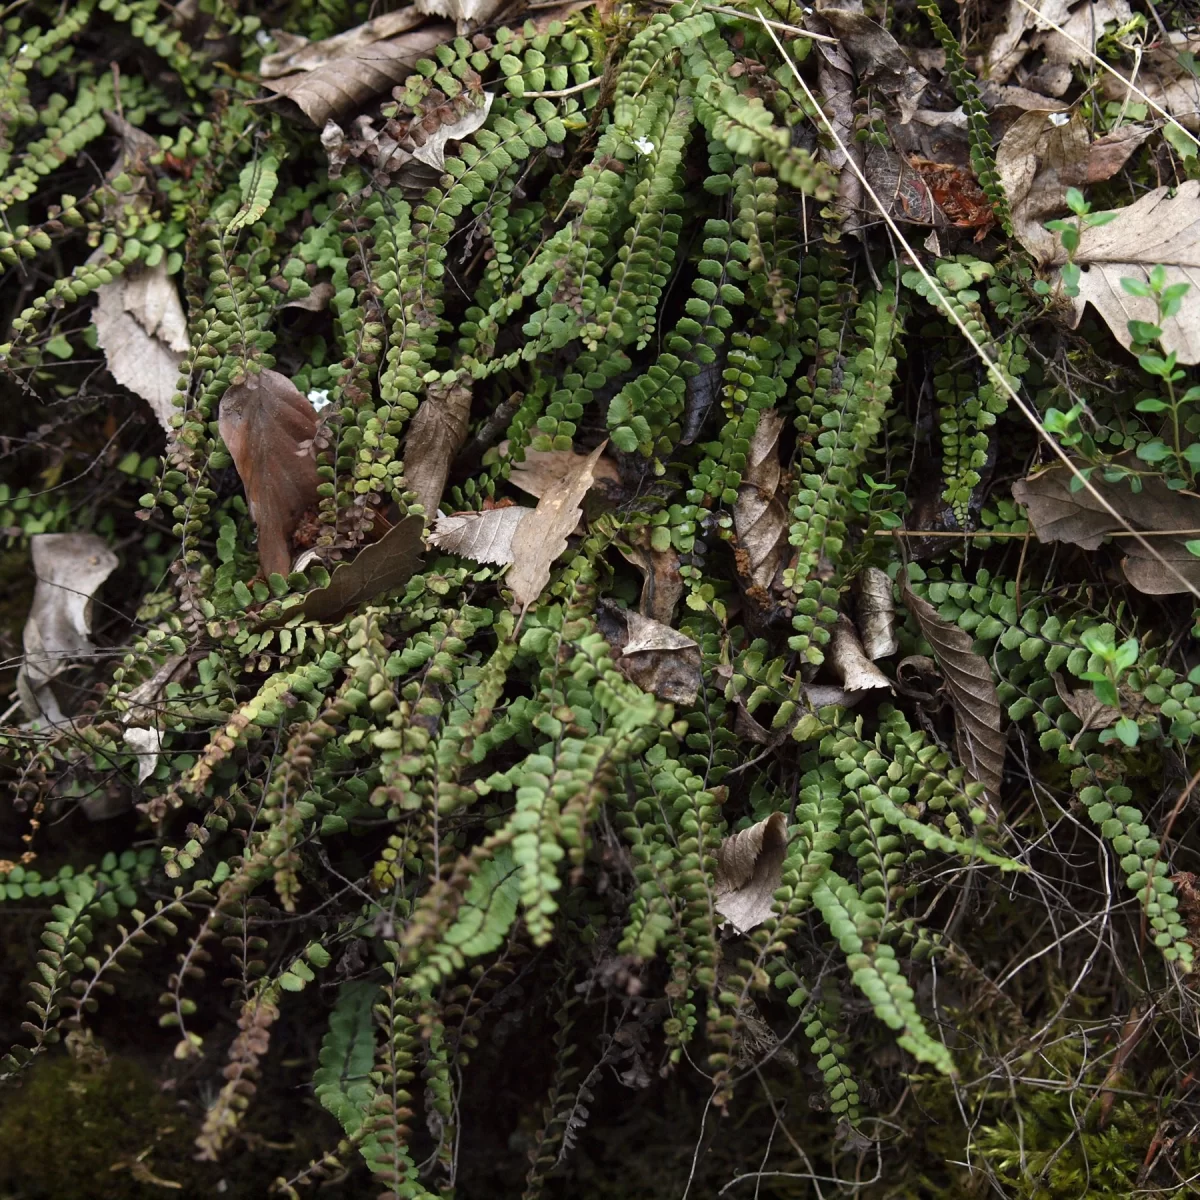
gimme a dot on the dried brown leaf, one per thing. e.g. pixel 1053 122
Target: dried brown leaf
pixel 295 53
pixel 317 299
pixel 383 566
pixel 1042 155
pixel 542 536
pixel 662 584
pixel 484 537
pixel 835 85
pixel 1164 76
pixel 1027 30
pixel 434 437
pixel 142 330
pixel 466 14
pixel 1082 29
pixel 1108 154
pixel 877 58
pixel 1085 704
pixel 541 469
pixel 979 740
pixel 432 152
pixel 759 517
pixel 146 744
pixel 69 567
pixel 268 426
pixel 660 660
pixel 749 869
pixel 876 611
pixel 1078 518
pixel 847 660
pixel 353 78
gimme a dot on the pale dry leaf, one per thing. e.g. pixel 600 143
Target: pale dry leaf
pixel 648 634
pixel 541 469
pixel 1025 31
pixel 433 151
pixel 660 660
pixel 979 740
pixel 1157 229
pixel 1007 101
pixel 848 662
pixel 434 437
pixel 1086 705
pixel 382 566
pixel 542 536
pixel 1082 29
pixel 268 426
pixel 147 745
pixel 317 299
pixel 760 518
pixel 1078 518
pixel 876 612
pixel 352 79
pixel 484 537
pixel 748 873
pixel 295 53
pixel 69 568
pixel 836 87
pixel 142 699
pixel 467 15
pixel 1038 159
pixel 141 327
pixel 878 58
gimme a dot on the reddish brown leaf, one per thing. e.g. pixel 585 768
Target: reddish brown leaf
pixel 268 427
pixel 383 566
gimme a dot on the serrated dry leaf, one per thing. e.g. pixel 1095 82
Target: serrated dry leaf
pixel 660 660
pixel 147 745
pixel 1059 515
pixel 749 869
pixel 979 740
pixel 1156 229
pixel 542 536
pixel 295 53
pixel 352 78
pixel 383 566
pixel 433 151
pixel 847 660
pixel 141 327
pixel 434 437
pixel 69 567
pixel 268 426
pixel 1042 155
pixel 484 537
pixel 759 517
pixel 876 611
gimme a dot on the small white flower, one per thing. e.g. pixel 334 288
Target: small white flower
pixel 1059 119
pixel 319 398
pixel 263 38
pixel 644 145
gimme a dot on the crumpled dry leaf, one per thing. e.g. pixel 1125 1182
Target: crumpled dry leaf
pixel 918 678
pixel 836 87
pixel 432 152
pixel 542 536
pixel 1042 155
pixel 434 437
pixel 296 53
pixel 541 469
pixel 749 869
pixel 662 584
pixel 1059 515
pixel 1084 23
pixel 69 567
pixel 1164 75
pixel 979 740
pixel 760 518
pixel 660 660
pixel 847 660
pixel 877 58
pixel 467 14
pixel 268 426
pixel 484 537
pixel 1156 229
pixel 317 299
pixel 382 566
pixel 359 73
pixel 147 745
pixel 876 612
pixel 1085 704
pixel 142 330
